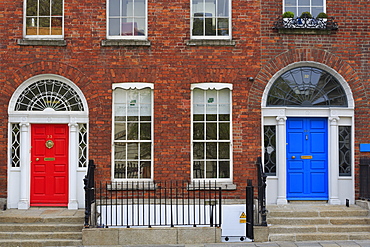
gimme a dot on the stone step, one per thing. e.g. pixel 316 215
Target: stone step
pixel 35 219
pixel 41 235
pixel 319 236
pixel 39 243
pixel 286 229
pixel 323 213
pixel 319 221
pixel 14 227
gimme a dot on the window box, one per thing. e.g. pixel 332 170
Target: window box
pixel 305 25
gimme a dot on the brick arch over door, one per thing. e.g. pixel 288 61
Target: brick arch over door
pixel 303 55
pixel 354 79
pixel 79 78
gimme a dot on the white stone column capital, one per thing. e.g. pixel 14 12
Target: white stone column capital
pixel 281 119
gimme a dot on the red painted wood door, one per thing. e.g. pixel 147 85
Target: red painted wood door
pixel 49 165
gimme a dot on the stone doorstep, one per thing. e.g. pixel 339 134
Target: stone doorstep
pixel 39 243
pixel 41 235
pixel 318 229
pixel 319 236
pixel 13 227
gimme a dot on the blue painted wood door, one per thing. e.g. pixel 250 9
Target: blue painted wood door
pixel 307 159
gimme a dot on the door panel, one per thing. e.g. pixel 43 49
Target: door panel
pixel 49 165
pixel 307 163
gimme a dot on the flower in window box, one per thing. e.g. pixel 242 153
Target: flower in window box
pixel 288 21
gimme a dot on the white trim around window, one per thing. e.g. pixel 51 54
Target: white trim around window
pixel 127 19
pixel 313 6
pixel 43 22
pixel 132 131
pixel 210 19
pixel 211 132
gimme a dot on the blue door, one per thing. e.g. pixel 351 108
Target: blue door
pixel 307 159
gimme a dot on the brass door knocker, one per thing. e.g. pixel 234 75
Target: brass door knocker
pixel 49 144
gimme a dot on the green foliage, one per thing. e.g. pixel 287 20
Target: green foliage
pixel 322 15
pixel 306 14
pixel 288 14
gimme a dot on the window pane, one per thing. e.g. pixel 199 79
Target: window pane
pixel 132 131
pixel 211 131
pixel 211 169
pixel 120 151
pixel 132 170
pixel 120 169
pixel 198 131
pixel 132 151
pixel 211 150
pixel 31 8
pixel 290 3
pixel 270 150
pixel 316 11
pixel 145 169
pixel 198 150
pixel 57 7
pixel 119 131
pixel 224 149
pixel 345 155
pixel 139 26
pixel 145 131
pixel 44 8
pixel 210 7
pixel 198 7
pixel 139 8
pixel 44 26
pixel 304 2
pixel 317 3
pixel 145 150
pixel 31 26
pixel 303 9
pixel 114 26
pixel 224 167
pixel 224 131
pixel 222 26
pixel 210 26
pixel 127 8
pixel 198 169
pixel 114 8
pixel 223 8
pixel 56 26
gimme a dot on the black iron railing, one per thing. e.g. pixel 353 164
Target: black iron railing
pixel 89 182
pixel 306 23
pixel 148 204
pixel 364 178
pixel 256 207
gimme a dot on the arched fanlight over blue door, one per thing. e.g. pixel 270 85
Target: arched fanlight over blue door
pixel 49 93
pixel 307 87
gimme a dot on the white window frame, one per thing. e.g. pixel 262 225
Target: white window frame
pixel 137 86
pixel 135 37
pixel 211 37
pixel 40 36
pixel 205 87
pixel 297 14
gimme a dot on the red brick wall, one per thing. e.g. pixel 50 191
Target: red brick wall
pixel 173 66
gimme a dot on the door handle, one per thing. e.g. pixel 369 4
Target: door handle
pixel 37 159
pixel 293 157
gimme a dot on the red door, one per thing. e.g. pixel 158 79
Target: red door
pixel 49 165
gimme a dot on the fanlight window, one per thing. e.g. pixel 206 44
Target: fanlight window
pixel 50 94
pixel 307 87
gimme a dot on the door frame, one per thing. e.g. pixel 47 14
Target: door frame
pixel 19 177
pixel 340 188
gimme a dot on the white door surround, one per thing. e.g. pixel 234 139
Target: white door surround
pixel 340 188
pixel 19 177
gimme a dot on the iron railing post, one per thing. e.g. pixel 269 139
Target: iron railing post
pixel 250 211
